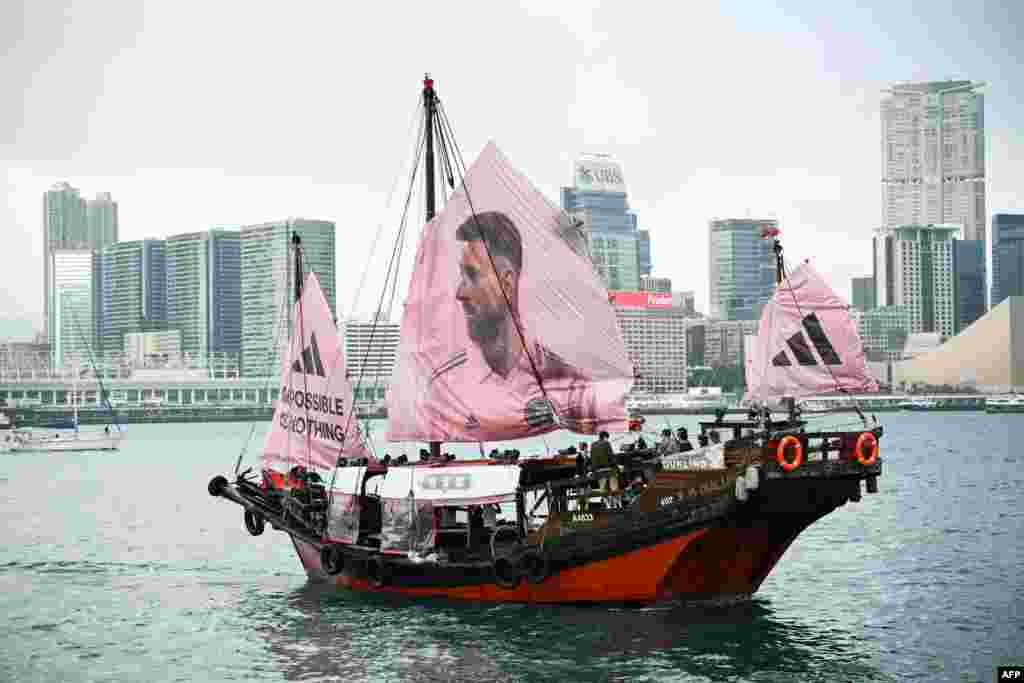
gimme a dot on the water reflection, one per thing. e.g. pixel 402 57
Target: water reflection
pixel 317 631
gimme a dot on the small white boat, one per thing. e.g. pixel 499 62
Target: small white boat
pixel 30 441
pixel 1005 404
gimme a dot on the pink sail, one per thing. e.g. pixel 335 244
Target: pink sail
pixel 806 344
pixel 465 371
pixel 313 423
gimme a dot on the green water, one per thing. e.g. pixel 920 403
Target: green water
pixel 120 567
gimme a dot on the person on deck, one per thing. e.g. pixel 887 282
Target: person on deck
pixel 602 457
pixel 667 445
pixel 683 437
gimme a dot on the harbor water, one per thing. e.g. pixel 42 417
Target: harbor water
pixel 120 567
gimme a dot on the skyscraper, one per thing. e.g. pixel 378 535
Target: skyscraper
pixel 71 321
pixel 863 291
pixel 969 281
pixel 741 267
pixel 914 269
pixel 598 200
pixel 933 166
pixel 70 222
pixel 130 291
pixel 1007 256
pixel 204 291
pixel 268 285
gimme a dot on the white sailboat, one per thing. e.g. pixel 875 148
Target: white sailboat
pixel 33 440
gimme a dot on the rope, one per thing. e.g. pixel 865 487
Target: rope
pixel 780 263
pixel 461 168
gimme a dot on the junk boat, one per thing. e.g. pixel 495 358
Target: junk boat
pixel 507 333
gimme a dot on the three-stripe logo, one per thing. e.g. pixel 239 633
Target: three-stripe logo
pixel 310 363
pixel 802 351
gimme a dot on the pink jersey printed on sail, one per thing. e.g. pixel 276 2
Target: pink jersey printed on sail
pixel 507 331
pixel 807 343
pixel 313 421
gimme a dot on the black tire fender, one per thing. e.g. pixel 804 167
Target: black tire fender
pixel 254 522
pixel 534 565
pixel 506 572
pixel 378 572
pixel 332 561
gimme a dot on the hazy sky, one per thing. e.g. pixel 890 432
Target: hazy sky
pixel 197 114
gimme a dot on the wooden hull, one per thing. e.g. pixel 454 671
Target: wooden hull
pixel 723 560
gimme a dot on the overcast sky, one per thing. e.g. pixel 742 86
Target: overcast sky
pixel 199 114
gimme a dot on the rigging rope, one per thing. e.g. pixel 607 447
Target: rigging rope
pixel 784 278
pixel 460 166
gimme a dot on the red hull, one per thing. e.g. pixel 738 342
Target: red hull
pixel 713 562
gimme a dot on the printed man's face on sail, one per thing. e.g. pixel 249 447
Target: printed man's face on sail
pixel 480 290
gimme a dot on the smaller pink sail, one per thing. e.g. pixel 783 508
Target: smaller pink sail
pixel 806 344
pixel 313 422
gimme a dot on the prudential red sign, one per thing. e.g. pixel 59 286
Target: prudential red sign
pixel 641 299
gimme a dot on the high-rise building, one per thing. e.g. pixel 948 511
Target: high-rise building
pixel 685 300
pixel 969 281
pixel 914 268
pixel 598 200
pixel 71 222
pixel 933 165
pixel 268 285
pixel 370 354
pixel 204 291
pixel 1007 256
pixel 883 332
pixel 654 332
pixel 723 341
pixel 71 322
pixel 130 291
pixel 863 293
pixel 741 267
pixel 643 252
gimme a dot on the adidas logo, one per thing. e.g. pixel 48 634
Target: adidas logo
pixel 472 422
pixel 310 362
pixel 800 349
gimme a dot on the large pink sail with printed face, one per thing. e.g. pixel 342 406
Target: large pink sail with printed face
pixel 465 370
pixel 313 423
pixel 806 344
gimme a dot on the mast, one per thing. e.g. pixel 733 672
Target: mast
pixel 296 243
pixel 429 111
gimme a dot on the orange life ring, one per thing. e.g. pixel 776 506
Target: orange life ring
pixel 871 456
pixel 780 453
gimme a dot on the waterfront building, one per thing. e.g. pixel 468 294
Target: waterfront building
pixel 1007 256
pixel 204 291
pixel 599 202
pixel 724 342
pixel 741 267
pixel 649 283
pixel 914 269
pixel 654 333
pixel 863 293
pixel 686 301
pixel 985 356
pixel 71 322
pixel 371 351
pixel 130 291
pixel 933 172
pixel 71 222
pixel 25 358
pixel 153 349
pixel 268 285
pixel 883 332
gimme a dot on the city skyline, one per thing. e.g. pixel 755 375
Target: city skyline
pixel 810 159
